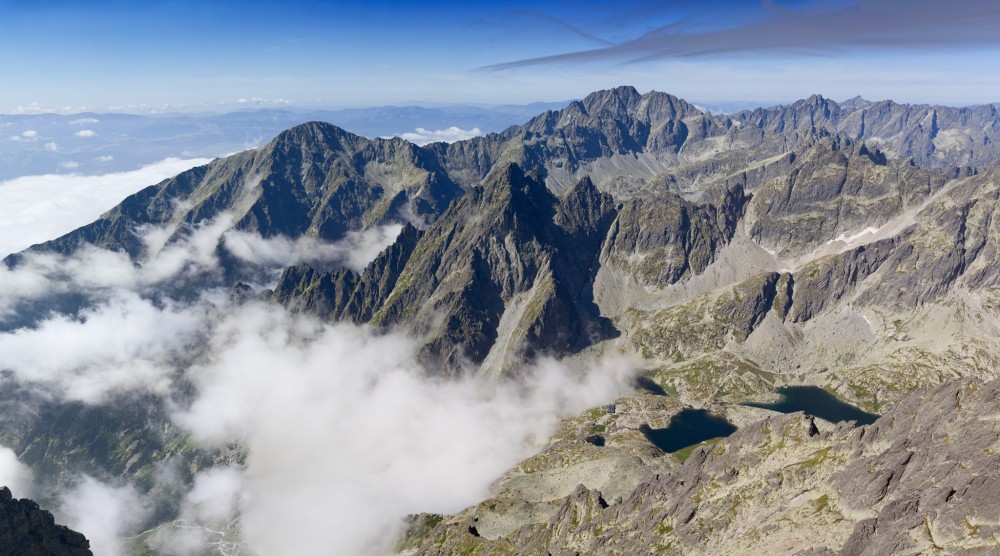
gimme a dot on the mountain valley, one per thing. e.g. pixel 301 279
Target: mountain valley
pixel 845 249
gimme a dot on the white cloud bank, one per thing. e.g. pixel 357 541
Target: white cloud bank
pixel 15 475
pixel 346 433
pixel 423 136
pixel 105 514
pixel 38 208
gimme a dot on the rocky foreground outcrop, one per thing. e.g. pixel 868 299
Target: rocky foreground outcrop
pixel 910 483
pixel 27 530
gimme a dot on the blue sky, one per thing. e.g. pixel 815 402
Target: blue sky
pixel 101 54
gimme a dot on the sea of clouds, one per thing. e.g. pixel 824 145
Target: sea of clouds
pixel 346 433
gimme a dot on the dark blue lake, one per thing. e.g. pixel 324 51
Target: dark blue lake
pixel 687 428
pixel 817 402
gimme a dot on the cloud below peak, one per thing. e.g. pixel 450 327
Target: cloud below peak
pixel 422 136
pixel 38 208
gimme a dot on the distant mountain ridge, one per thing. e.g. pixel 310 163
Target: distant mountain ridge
pixel 849 246
pixel 123 142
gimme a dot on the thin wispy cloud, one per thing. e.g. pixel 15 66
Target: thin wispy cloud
pixel 257 101
pixel 39 108
pixel 817 28
pixel 546 18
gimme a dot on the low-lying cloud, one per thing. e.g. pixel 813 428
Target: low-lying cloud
pixel 15 475
pixel 423 136
pixel 105 513
pixel 125 344
pixel 345 433
pixel 356 250
pixel 38 208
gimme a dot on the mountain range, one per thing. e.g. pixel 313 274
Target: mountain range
pixel 847 247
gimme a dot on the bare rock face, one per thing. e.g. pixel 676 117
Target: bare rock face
pixel 911 483
pixel 934 136
pixel 507 271
pixel 27 530
pixel 834 187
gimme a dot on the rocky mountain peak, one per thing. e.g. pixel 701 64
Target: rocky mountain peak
pixel 620 100
pixel 313 135
pixel 510 189
pixel 585 210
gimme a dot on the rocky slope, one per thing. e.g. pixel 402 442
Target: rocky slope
pixel 507 271
pixel 933 136
pixel 911 483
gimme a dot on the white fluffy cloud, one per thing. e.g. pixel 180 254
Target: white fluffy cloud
pixel 347 434
pixel 214 499
pixel 105 514
pixel 52 147
pixel 423 136
pixel 15 475
pixel 29 135
pixel 355 251
pixel 85 133
pixel 83 121
pixel 105 158
pixel 126 344
pixel 38 208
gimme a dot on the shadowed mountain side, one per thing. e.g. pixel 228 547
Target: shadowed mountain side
pixel 507 272
pixel 27 530
pixel 507 264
